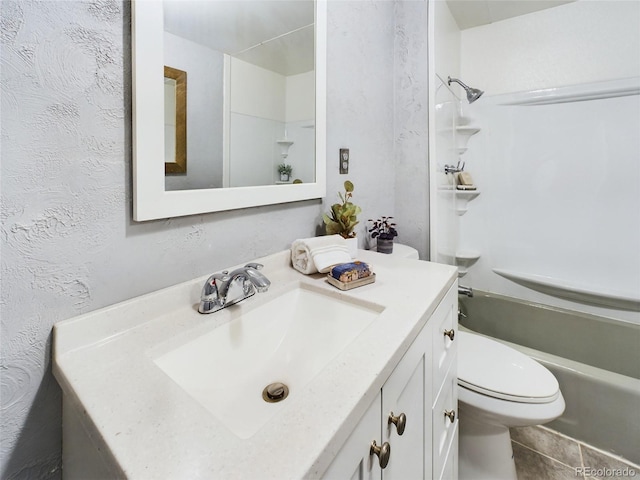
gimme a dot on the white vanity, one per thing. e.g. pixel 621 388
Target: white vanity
pixel 153 389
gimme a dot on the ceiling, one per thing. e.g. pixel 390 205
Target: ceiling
pixel 276 35
pixel 279 35
pixel 473 13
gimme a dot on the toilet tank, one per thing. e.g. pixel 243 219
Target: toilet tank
pixel 404 251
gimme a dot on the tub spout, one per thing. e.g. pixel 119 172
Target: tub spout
pixel 468 291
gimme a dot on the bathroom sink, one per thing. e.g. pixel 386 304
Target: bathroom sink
pixel 289 339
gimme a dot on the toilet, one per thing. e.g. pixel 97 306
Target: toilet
pixel 498 388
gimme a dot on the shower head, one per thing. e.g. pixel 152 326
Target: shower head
pixel 472 93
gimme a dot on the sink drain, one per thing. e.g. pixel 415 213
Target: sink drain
pixel 275 392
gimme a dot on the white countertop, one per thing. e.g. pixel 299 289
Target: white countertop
pixel 104 362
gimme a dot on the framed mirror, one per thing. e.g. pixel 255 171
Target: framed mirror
pixel 263 108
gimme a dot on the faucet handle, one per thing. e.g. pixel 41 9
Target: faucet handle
pixel 255 266
pixel 212 283
pixel 222 276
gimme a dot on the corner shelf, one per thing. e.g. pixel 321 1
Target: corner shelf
pixel 464 260
pixel 284 147
pixel 463 197
pixel 464 133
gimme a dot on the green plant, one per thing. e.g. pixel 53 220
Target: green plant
pixel 383 228
pixel 285 168
pixel 343 216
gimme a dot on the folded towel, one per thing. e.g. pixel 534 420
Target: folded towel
pixel 318 254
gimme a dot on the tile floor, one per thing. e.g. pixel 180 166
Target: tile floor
pixel 544 454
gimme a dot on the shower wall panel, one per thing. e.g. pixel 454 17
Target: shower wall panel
pixel 559 172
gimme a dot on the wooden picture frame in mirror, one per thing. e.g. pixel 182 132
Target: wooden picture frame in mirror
pixel 175 141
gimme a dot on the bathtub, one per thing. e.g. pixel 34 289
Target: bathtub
pixel 595 359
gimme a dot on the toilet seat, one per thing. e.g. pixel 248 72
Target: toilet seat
pixel 496 370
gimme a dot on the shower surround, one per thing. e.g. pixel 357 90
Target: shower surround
pixel 559 171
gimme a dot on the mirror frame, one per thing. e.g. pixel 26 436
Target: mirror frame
pixel 150 200
pixel 179 164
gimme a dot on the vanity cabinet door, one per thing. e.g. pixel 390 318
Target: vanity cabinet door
pixel 406 400
pixel 354 461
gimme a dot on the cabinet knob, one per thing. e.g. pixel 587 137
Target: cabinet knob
pixel 400 422
pixel 450 333
pixel 383 452
pixel 451 415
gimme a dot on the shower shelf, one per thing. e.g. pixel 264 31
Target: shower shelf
pixel 464 133
pixel 284 147
pixel 464 260
pixel 467 130
pixel 463 198
pixel 572 291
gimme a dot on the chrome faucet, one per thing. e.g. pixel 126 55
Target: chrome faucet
pixel 224 289
pixel 451 169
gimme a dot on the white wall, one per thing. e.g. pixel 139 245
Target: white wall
pixel 299 127
pixel 559 183
pixel 447 40
pixel 257 121
pixel 270 106
pixel 579 42
pixel 253 148
pixel 300 157
pixel 560 192
pixel 205 74
pixel 300 103
pixel 257 92
pixel 69 245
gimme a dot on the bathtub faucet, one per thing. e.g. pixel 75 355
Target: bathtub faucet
pixel 468 291
pixel 224 289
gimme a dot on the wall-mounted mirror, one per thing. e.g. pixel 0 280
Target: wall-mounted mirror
pixel 256 80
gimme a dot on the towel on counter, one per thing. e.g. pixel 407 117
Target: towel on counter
pixel 318 254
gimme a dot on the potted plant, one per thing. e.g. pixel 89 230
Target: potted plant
pixel 383 230
pixel 343 218
pixel 284 169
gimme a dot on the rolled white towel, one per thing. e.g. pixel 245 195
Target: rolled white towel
pixel 301 258
pixel 318 254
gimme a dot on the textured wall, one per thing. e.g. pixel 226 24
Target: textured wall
pixel 68 242
pixel 411 117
